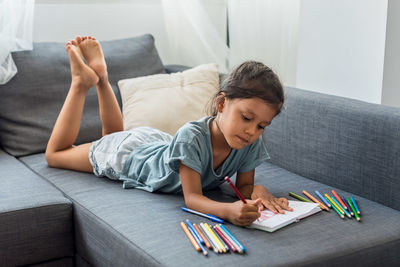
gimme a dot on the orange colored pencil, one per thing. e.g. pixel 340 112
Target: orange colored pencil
pixel 189 235
pixel 339 199
pixel 315 200
pixel 202 236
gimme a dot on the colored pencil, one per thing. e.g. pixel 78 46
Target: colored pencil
pixel 322 206
pixel 209 216
pixel 322 198
pixel 197 236
pixel 202 236
pixel 220 245
pixel 198 241
pixel 335 209
pixel 223 237
pixel 299 197
pixel 348 206
pixel 217 249
pixel 354 210
pixel 235 189
pixel 233 238
pixel 339 205
pixel 355 205
pixel 333 203
pixel 191 238
pixel 220 239
pixel 230 239
pixel 338 199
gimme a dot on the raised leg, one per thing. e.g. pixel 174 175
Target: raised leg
pixel 60 151
pixel 110 113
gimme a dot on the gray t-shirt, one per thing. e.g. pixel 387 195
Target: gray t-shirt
pixel 155 166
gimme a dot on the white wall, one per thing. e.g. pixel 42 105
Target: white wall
pixel 61 20
pixel 341 48
pixel 391 75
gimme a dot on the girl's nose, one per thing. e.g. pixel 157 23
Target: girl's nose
pixel 251 130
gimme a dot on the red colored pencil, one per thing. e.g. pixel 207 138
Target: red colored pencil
pixel 338 199
pixel 235 189
pixel 223 237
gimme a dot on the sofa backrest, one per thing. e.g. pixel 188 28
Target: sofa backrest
pixel 345 143
pixel 31 101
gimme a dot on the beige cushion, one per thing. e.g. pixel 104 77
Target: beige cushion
pixel 168 101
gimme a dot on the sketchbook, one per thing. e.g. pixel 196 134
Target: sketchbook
pixel 270 222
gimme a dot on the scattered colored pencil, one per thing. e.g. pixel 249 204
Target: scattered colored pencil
pixel 338 199
pixel 322 198
pixel 198 241
pixel 217 249
pixel 333 203
pixel 189 235
pixel 322 206
pixel 347 205
pixel 220 239
pixel 196 235
pixel 223 237
pixel 355 205
pixel 230 239
pixel 339 205
pixel 217 240
pixel 354 210
pixel 233 238
pixel 335 209
pixel 202 236
pixel 299 197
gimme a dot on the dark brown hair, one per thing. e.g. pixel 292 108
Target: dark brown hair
pixel 251 79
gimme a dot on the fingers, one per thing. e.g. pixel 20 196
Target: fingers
pixel 277 205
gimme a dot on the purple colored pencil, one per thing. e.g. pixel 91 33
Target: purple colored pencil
pixel 347 205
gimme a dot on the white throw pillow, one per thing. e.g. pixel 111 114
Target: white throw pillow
pixel 168 101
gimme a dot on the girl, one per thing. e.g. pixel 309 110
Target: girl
pixel 197 158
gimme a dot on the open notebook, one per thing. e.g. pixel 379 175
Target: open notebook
pixel 270 222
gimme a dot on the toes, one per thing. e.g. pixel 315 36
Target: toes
pixel 74 42
pixel 78 39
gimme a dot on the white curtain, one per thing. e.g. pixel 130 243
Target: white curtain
pixel 267 31
pixel 194 37
pixel 16 24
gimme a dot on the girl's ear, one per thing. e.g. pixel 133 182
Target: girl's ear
pixel 220 102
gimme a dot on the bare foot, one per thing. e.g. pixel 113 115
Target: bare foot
pixel 92 53
pixel 82 75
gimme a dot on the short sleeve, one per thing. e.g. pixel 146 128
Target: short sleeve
pixel 256 154
pixel 186 153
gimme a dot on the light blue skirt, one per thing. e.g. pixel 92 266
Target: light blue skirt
pixel 108 154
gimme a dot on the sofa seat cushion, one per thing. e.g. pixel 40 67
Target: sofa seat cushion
pixel 35 218
pixel 124 227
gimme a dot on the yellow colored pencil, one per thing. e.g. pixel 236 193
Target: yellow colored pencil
pixel 218 241
pixel 333 203
pixel 315 200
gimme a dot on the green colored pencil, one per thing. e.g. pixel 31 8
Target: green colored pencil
pixel 334 208
pixel 354 210
pixel 299 197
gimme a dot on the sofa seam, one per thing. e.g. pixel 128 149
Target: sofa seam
pixel 69 204
pixel 88 211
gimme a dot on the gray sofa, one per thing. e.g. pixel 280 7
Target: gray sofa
pixel 55 217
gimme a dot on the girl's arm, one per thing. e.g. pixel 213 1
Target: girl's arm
pixel 237 212
pixel 245 184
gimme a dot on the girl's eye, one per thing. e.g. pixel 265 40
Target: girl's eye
pixel 260 127
pixel 245 118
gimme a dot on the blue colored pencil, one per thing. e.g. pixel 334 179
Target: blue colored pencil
pixel 233 238
pixel 355 205
pixel 322 198
pixel 196 235
pixel 198 241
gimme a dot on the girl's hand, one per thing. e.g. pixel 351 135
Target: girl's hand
pixel 276 204
pixel 244 214
pixel 269 201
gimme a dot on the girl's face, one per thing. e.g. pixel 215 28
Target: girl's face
pixel 241 121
